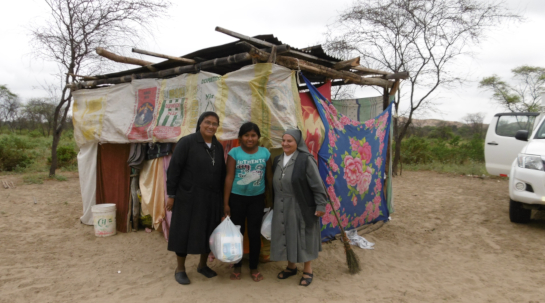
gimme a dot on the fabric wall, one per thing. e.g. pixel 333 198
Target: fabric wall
pixel 164 110
pixel 351 162
pixel 113 180
pixel 87 163
pixel 152 183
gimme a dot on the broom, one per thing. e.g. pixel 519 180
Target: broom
pixel 351 259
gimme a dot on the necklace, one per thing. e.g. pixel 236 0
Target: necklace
pixel 212 155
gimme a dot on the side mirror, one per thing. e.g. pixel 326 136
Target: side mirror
pixel 522 135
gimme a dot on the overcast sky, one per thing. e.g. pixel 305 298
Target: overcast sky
pixel 191 24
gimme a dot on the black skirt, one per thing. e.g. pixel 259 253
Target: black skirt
pixel 195 215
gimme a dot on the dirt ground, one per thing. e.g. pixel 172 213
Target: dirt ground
pixel 449 239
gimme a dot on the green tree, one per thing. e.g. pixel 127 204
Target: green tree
pixel 522 94
pixel 9 107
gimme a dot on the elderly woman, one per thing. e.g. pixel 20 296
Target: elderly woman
pixel 195 194
pixel 299 201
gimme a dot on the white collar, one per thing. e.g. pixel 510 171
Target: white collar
pixel 287 158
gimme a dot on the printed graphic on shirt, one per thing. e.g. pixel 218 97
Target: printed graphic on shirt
pixel 247 175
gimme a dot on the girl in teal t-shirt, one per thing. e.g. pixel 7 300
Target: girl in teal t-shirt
pixel 244 192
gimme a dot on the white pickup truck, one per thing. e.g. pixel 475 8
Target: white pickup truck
pixel 515 148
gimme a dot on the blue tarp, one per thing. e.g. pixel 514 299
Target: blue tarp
pixel 351 161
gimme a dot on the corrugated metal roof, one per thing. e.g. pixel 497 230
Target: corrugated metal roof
pixel 232 49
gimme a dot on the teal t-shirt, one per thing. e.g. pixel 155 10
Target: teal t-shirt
pixel 249 171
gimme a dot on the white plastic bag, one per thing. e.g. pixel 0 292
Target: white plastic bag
pixel 266 225
pixel 226 242
pixel 358 240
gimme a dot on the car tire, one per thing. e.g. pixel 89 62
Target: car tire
pixel 517 213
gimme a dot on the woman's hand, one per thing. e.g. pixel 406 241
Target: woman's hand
pixel 319 213
pixel 226 210
pixel 170 203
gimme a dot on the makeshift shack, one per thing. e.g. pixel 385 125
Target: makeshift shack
pixel 126 123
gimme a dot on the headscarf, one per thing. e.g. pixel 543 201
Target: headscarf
pixel 298 136
pixel 204 115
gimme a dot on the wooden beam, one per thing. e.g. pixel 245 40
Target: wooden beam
pixel 347 64
pixel 173 58
pixel 238 58
pixel 122 59
pixel 314 68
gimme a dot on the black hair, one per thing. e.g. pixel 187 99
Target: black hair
pixel 203 116
pixel 247 127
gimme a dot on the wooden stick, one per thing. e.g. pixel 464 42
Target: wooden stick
pixel 122 59
pixel 314 68
pixel 179 59
pixel 272 57
pixel 347 64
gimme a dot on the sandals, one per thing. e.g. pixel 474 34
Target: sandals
pixel 256 278
pixel 235 276
pixel 286 273
pixel 308 280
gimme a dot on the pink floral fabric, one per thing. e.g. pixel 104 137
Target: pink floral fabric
pixel 351 161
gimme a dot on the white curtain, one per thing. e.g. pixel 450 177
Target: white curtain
pixel 87 167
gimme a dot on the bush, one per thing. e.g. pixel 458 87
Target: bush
pixel 15 153
pixel 66 156
pixel 35 134
pixel 420 150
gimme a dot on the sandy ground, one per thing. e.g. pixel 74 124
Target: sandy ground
pixel 450 240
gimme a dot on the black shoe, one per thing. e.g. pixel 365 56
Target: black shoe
pixel 181 277
pixel 207 272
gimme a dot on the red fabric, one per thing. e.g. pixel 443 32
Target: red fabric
pixel 311 118
pixel 113 180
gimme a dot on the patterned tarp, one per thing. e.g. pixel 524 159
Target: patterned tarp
pixel 351 161
pixel 164 110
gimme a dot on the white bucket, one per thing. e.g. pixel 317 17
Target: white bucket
pixel 104 219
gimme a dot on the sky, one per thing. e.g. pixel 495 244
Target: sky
pixel 190 27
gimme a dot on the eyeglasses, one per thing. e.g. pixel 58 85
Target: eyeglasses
pixel 213 124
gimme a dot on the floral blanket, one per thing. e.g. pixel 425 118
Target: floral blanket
pixel 351 163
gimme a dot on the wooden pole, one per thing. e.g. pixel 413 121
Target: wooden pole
pixel 401 75
pixel 122 59
pixel 294 63
pixel 173 58
pixel 238 58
